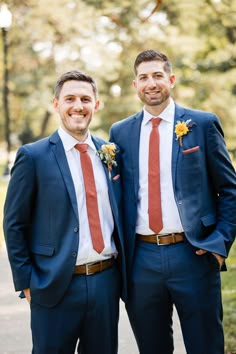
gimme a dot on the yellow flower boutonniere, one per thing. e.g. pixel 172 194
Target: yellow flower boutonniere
pixel 107 154
pixel 182 128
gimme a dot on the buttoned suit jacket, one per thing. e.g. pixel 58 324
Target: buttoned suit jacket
pixel 204 181
pixel 41 223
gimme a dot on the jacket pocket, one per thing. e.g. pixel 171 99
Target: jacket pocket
pixel 208 220
pixel 191 150
pixel 116 177
pixel 43 250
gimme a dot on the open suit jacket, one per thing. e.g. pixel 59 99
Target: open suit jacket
pixel 204 181
pixel 41 223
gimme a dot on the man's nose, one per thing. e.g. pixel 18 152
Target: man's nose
pixel 78 105
pixel 151 81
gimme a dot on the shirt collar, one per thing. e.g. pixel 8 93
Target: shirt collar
pixel 167 114
pixel 69 141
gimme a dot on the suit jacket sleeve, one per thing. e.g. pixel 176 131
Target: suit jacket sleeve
pixel 17 218
pixel 223 178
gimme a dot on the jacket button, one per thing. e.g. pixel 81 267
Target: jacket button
pixel 76 229
pixel 74 254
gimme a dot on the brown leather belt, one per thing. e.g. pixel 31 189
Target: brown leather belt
pixel 162 239
pixel 93 268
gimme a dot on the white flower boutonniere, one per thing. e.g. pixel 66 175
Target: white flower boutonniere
pixel 182 128
pixel 107 154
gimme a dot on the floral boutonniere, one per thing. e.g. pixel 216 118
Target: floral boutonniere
pixel 107 154
pixel 182 128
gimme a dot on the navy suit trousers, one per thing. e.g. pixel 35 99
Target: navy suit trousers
pixel 164 276
pixel 88 314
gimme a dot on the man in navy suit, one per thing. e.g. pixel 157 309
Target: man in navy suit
pixel 73 289
pixel 179 264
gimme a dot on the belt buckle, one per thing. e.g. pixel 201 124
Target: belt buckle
pixel 87 272
pixel 158 241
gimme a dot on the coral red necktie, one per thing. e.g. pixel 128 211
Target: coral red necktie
pixel 154 189
pixel 91 198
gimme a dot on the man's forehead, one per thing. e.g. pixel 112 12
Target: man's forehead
pixel 150 67
pixel 75 87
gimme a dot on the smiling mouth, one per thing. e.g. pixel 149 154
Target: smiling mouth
pixel 77 116
pixel 152 93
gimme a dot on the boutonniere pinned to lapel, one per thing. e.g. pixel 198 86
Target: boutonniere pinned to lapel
pixel 183 128
pixel 107 154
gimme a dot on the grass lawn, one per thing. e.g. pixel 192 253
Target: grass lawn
pixel 229 302
pixel 228 286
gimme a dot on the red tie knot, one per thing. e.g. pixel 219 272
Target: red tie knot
pixel 82 147
pixel 155 122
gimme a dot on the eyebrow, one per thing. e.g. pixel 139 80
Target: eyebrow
pixel 154 73
pixel 69 95
pixel 74 94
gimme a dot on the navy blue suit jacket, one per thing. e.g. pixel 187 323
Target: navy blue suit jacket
pixel 41 223
pixel 204 181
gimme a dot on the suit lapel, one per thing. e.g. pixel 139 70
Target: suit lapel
pixel 179 115
pixel 98 143
pixel 134 148
pixel 59 153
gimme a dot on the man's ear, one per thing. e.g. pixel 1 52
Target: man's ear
pixel 97 105
pixel 55 103
pixel 172 80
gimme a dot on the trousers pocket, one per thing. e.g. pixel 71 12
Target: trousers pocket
pixel 213 261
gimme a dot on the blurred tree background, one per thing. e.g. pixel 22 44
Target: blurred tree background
pixel 103 37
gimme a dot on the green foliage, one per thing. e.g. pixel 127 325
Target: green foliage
pixel 103 37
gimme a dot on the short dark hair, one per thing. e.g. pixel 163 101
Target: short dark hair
pixel 152 55
pixel 76 76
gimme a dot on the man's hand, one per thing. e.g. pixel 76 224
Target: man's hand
pixel 27 294
pixel 219 258
pixel 200 252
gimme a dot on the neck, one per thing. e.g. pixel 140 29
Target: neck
pixel 79 136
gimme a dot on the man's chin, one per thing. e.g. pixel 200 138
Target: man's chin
pixel 153 103
pixel 80 128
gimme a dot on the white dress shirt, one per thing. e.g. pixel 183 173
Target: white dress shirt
pixel 170 215
pixel 86 253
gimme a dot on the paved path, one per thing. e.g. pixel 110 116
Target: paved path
pixel 15 335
